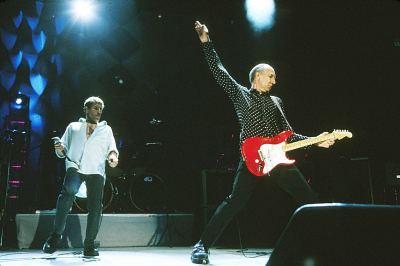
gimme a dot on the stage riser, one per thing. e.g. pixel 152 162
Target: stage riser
pixel 116 230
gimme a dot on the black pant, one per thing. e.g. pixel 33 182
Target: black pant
pixel 94 186
pixel 288 178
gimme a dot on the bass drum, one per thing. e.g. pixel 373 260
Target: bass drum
pixel 81 197
pixel 148 193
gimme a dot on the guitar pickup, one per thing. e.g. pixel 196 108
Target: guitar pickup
pixel 261 155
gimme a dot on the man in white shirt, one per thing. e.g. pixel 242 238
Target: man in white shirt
pixel 86 145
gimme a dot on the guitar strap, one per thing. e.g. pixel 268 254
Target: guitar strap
pixel 275 99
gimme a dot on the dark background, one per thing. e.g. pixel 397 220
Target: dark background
pixel 337 65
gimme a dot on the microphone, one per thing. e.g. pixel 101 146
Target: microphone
pixel 56 140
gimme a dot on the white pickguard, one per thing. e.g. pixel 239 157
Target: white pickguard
pixel 272 155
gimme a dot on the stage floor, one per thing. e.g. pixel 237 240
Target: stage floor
pixel 138 256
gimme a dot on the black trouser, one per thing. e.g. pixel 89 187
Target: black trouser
pixel 94 187
pixel 288 178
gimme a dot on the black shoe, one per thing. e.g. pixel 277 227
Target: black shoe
pixel 200 254
pixel 90 252
pixel 51 243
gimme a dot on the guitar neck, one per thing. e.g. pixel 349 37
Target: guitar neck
pixel 306 142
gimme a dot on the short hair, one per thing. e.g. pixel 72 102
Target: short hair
pixel 89 102
pixel 256 69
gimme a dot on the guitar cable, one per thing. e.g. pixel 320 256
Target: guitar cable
pixel 242 249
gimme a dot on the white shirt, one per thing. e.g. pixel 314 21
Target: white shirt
pixel 88 155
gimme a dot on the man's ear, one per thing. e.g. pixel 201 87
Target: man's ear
pixel 84 110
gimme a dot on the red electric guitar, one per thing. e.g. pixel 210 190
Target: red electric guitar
pixel 261 154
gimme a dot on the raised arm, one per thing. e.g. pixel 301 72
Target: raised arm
pixel 202 31
pixel 221 75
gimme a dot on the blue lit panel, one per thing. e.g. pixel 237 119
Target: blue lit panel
pixel 57 60
pixel 3 108
pixel 30 59
pixel 16 60
pixel 38 83
pixel 55 98
pixel 32 22
pixel 39 40
pixel 8 39
pixel 17 19
pixel 39 7
pixel 37 122
pixel 60 23
pixel 7 79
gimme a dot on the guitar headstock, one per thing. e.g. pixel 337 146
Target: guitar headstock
pixel 340 134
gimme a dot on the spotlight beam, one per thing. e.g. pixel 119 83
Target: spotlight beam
pixel 83 10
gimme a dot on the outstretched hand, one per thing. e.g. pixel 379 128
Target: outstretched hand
pixel 202 31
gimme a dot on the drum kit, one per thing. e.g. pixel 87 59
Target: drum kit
pixel 137 193
pixel 130 187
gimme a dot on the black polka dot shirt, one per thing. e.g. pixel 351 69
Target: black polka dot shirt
pixel 259 114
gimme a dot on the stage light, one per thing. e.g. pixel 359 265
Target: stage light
pixel 260 14
pixel 18 101
pixel 19 105
pixel 84 10
pixel 119 80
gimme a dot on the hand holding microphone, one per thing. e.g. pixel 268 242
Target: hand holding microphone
pixel 58 146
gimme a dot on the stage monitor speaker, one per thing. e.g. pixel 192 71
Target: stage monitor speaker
pixel 340 234
pixel 216 186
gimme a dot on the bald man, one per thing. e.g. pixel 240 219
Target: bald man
pixel 259 115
